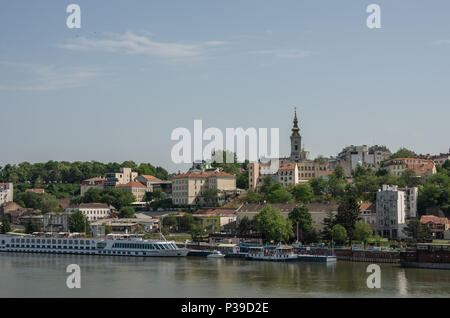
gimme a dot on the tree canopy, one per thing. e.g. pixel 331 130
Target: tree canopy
pixel 272 225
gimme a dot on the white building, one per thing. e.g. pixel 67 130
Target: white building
pixel 391 212
pixel 6 193
pixel 353 156
pixel 93 211
pixel 114 178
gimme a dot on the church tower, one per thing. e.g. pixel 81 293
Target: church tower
pixel 296 140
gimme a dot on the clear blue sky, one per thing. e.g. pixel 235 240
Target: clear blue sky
pixel 116 88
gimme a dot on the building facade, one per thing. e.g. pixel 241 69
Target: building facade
pixel 190 188
pixel 421 167
pixel 297 168
pixel 137 188
pixel 6 193
pixel 93 211
pixel 126 175
pixel 353 156
pixel 391 212
pixel 56 222
pixel 93 183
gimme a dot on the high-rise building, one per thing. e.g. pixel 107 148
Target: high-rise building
pixel 393 207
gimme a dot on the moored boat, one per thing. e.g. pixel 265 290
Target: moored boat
pixel 317 258
pixel 277 254
pixel 215 254
pixel 427 255
pixel 113 245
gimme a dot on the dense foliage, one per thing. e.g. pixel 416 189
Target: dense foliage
pixel 116 197
pixel 71 172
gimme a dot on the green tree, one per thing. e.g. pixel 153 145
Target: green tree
pixel 253 197
pixel 416 230
pixel 196 231
pixel 362 232
pixel 48 203
pixel 328 224
pixel 32 227
pixel 272 225
pixel 78 222
pixel 6 225
pixel 347 215
pixel 186 222
pixel 170 221
pixel 338 233
pixel 210 195
pixel 126 212
pixel 303 193
pixel 318 186
pixel 246 226
pixel 300 215
pixel 278 194
pixel 402 153
pixel 157 194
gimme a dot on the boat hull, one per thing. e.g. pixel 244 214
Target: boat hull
pixel 317 258
pixel 425 265
pixel 273 259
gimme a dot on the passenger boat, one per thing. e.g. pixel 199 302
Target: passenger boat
pixel 277 254
pixel 114 245
pixel 427 255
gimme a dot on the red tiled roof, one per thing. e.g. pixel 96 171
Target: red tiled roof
pixel 288 167
pixel 367 206
pixel 202 175
pixel 214 211
pixel 133 184
pixel 90 205
pixel 190 175
pixel 150 178
pixel 433 219
pixel 221 174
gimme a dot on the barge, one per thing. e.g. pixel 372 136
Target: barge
pixel 427 255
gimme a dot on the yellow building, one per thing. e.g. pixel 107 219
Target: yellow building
pixel 190 188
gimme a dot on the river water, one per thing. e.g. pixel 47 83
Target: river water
pixel 41 275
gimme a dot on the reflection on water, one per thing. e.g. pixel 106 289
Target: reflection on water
pixel 34 275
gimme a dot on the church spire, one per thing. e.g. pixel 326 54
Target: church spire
pixel 295 129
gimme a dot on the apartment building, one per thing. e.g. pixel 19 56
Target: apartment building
pixel 421 167
pixel 189 188
pixel 124 176
pixel 391 212
pixel 353 156
pixel 6 193
pixel 299 172
pixel 137 188
pixel 93 211
pixel 152 183
pixel 93 183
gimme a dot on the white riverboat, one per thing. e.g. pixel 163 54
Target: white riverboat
pixel 278 254
pixel 113 245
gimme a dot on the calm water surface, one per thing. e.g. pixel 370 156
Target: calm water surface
pixel 40 275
